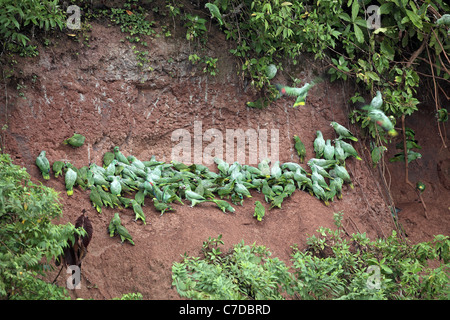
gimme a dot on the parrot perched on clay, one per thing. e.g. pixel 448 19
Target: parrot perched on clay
pixel 317 177
pixel 116 187
pixel 119 156
pixel 259 211
pixel 115 227
pixel 319 192
pixel 108 157
pixel 342 173
pixel 161 206
pixel 319 144
pixel 70 179
pixel 275 171
pixel 349 150
pixel 263 166
pixel 342 131
pixel 193 197
pixel 43 165
pixel 138 211
pixel 300 148
pixel 328 151
pixel 77 140
pixel 223 205
pixel 57 168
pixel 96 200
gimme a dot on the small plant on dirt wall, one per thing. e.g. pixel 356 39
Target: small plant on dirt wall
pixel 29 239
pixel 334 266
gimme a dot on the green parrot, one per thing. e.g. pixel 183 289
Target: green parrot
pixel 110 170
pixel 139 213
pixel 43 165
pixel 336 185
pixel 116 227
pixel 104 196
pixel 300 93
pixel 319 144
pixel 277 200
pixel 317 177
pixel 444 20
pixel 349 150
pixel 319 192
pixel 339 152
pixel 376 154
pixel 241 189
pixel 342 173
pixel 127 202
pixel 215 12
pixel 275 171
pixel 96 200
pixel 289 188
pixel 377 101
pixel 263 166
pixel 342 131
pixel 260 210
pixel 326 164
pixel 328 151
pixel 119 156
pixel 300 148
pixel 108 157
pixel 267 191
pixel 420 186
pixel 139 197
pixel 57 168
pixel 302 180
pixel 271 71
pixel 222 165
pixel 77 140
pixel 320 170
pixel 383 121
pixel 293 166
pixel 193 197
pixel 70 179
pixel 116 187
pixel 161 206
pixel 223 205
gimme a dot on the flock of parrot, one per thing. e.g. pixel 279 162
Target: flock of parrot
pixel 125 181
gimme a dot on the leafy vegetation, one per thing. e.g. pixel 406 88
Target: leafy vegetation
pixel 333 267
pixel 29 239
pixel 20 18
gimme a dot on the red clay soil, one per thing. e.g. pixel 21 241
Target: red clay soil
pixel 99 91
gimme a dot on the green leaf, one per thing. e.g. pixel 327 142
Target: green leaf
pixel 358 33
pixel 387 50
pixel 355 10
pixel 415 19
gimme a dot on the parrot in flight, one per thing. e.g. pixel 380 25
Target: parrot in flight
pixel 383 121
pixel 77 140
pixel 375 114
pixel 300 93
pixel 300 148
pixel 342 131
pixel 43 165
